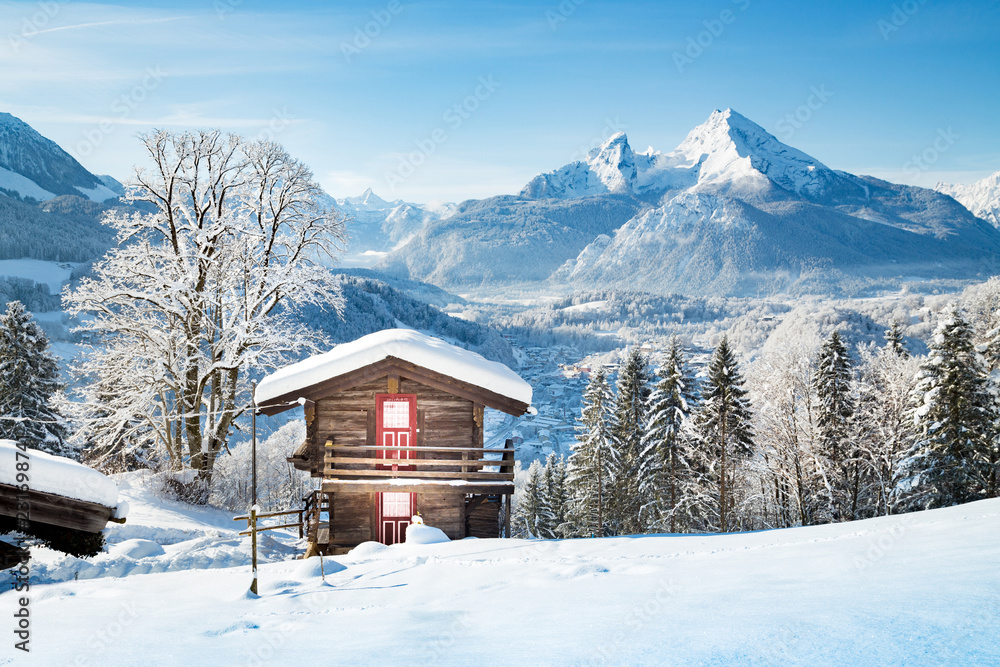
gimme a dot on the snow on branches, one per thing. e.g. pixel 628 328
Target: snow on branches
pixel 197 292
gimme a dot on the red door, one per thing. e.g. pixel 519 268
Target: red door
pixel 395 511
pixel 396 416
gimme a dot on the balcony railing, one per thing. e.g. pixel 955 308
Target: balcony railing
pixel 473 464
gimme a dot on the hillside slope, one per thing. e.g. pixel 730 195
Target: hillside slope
pixel 34 167
pixel 917 589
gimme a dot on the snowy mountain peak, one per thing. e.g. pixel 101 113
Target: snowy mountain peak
pixel 609 168
pixel 727 152
pixel 615 144
pixel 614 164
pixel 34 167
pixel 981 197
pixel 369 200
pixel 729 147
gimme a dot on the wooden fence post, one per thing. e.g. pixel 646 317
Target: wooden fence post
pixel 253 547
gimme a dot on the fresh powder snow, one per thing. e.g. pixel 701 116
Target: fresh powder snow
pixel 58 475
pixel 406 344
pixel 915 589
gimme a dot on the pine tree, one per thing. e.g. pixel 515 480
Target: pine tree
pixel 981 303
pixel 530 516
pixel 29 378
pixel 954 416
pixel 589 464
pixel 629 421
pixel 894 339
pixel 556 498
pixel 661 468
pixel 724 429
pixel 835 406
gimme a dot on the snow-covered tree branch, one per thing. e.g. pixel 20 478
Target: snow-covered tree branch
pixel 198 292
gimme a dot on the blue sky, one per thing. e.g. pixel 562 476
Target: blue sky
pixel 862 86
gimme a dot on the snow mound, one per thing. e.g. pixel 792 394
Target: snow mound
pixel 137 549
pixel 57 475
pixel 310 568
pixel 406 344
pixel 366 549
pixel 418 533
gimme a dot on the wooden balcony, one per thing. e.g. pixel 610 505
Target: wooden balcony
pixel 466 469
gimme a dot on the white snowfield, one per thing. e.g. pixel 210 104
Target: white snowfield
pixel 24 186
pixel 407 344
pixel 53 274
pixel 57 475
pixel 918 589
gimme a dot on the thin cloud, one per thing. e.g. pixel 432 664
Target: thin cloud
pixel 118 22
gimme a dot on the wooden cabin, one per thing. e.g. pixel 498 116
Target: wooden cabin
pixel 394 427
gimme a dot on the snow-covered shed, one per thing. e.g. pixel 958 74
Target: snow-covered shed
pixel 43 494
pixel 394 426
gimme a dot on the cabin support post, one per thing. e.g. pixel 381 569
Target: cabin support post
pixel 506 515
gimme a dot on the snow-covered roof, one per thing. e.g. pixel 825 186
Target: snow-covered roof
pixel 57 475
pixel 412 346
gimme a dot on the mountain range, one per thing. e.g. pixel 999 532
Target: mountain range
pixel 732 210
pixel 981 197
pixel 376 225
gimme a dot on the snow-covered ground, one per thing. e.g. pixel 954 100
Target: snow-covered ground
pixel 162 536
pixel 915 589
pixel 53 274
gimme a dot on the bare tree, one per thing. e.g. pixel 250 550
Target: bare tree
pixel 885 432
pixel 786 436
pixel 199 291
